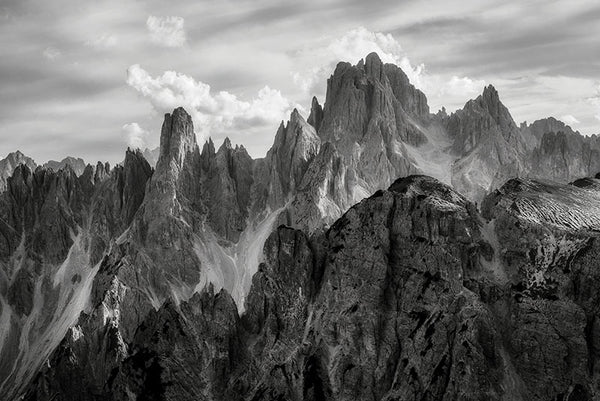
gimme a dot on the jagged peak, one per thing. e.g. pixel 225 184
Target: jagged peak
pixel 374 66
pixel 490 91
pixel 295 115
pixel 177 137
pixel 134 156
pixel 16 153
pixel 226 144
pixel 316 114
pixel 208 149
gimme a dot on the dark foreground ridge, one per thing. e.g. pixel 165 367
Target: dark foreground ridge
pixel 410 295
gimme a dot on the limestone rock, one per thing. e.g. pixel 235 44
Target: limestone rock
pixel 8 165
pixel 76 164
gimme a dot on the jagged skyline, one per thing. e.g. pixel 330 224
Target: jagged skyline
pixel 89 80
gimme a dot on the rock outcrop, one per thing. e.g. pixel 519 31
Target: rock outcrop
pixel 55 227
pixel 412 294
pixel 76 164
pixel 8 165
pixel 175 283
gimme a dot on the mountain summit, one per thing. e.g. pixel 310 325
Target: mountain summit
pixel 351 262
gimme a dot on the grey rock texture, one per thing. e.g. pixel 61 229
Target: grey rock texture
pixel 55 228
pixel 313 273
pixel 494 148
pixel 411 295
pixel 76 164
pixel 8 165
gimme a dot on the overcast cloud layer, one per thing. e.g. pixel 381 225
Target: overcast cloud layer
pixel 88 78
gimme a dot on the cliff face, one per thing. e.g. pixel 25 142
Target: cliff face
pixel 312 273
pixel 411 294
pixel 55 228
pixel 8 165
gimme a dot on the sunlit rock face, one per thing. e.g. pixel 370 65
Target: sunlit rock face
pixel 325 270
pixel 8 165
pixel 412 293
pixel 55 228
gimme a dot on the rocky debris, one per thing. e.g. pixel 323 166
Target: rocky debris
pixel 567 207
pixel 548 233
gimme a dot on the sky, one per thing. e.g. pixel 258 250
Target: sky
pixel 89 78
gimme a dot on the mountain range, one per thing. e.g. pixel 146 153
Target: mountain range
pixel 377 252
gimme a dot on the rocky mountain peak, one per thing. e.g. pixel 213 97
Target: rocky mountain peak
pixel 374 66
pixel 316 114
pixel 226 144
pixel 8 165
pixel 101 172
pixel 77 164
pixel 490 93
pixel 177 138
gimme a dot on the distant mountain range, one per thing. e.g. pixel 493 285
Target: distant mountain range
pixel 377 252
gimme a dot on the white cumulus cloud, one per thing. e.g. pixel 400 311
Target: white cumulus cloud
pixel 52 53
pixel 135 135
pixel 595 101
pixel 351 47
pixel 321 59
pixel 104 41
pixel 213 113
pixel 569 119
pixel 166 31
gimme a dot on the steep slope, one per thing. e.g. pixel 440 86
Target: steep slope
pixel 8 165
pixel 562 154
pixel 491 146
pixel 410 295
pixel 375 126
pixel 77 164
pixel 55 226
pixel 176 287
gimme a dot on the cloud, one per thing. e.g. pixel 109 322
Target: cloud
pixel 569 119
pixel 595 102
pixel 351 47
pixel 449 91
pixel 166 31
pixel 52 53
pixel 217 113
pixel 104 41
pixel 135 135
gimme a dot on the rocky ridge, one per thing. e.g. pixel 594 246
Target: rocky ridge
pixel 183 260
pixel 411 294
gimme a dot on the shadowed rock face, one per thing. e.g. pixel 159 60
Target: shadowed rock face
pixel 175 283
pixel 410 295
pixel 8 165
pixel 55 228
